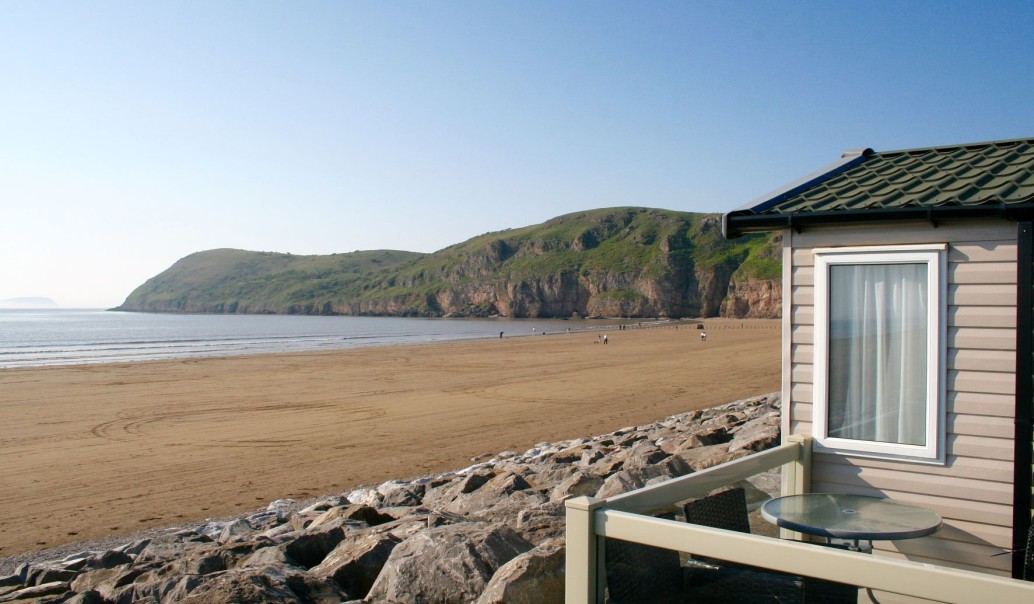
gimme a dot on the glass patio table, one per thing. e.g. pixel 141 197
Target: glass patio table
pixel 850 517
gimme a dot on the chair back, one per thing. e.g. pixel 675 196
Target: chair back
pixel 725 510
pixel 642 573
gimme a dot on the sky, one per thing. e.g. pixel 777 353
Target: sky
pixel 133 134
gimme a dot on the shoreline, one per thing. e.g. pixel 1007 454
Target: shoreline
pixel 111 449
pixel 217 340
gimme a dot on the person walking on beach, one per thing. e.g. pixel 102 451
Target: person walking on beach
pixel 500 335
pixel 604 338
pixel 703 336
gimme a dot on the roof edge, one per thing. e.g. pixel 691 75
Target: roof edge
pixel 1004 141
pixel 752 223
pixel 848 159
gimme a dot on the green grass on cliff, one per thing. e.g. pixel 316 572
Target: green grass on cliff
pixel 615 245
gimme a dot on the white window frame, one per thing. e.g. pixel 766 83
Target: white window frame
pixel 934 256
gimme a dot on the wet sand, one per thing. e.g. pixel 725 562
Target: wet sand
pixel 92 450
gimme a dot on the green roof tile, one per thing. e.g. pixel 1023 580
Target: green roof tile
pixel 999 173
pixel 989 173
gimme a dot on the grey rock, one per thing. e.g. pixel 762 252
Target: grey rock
pixel 474 481
pixel 706 457
pixel 10 580
pixel 266 556
pixel 756 435
pixel 534 577
pixel 618 483
pixel 36 591
pixel 643 455
pixel 446 564
pixel 86 597
pixel 365 496
pixel 542 523
pixel 452 537
pixel 403 495
pixel 355 562
pixel 576 485
pixel 310 548
pixel 106 580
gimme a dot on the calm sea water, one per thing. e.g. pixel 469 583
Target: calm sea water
pixel 68 337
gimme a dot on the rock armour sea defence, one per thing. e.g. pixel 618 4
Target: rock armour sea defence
pixel 489 533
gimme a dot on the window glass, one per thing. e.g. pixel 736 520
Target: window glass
pixel 878 362
pixel 878 324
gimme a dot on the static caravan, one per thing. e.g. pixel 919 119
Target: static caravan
pixel 907 337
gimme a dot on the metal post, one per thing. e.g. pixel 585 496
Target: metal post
pixel 580 582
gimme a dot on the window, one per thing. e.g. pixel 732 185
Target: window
pixel 878 363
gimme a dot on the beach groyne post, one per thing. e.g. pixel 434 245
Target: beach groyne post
pixel 581 576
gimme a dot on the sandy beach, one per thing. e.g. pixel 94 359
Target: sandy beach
pixel 87 451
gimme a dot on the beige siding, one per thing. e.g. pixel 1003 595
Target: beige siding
pixel 979 360
pixel 972 490
pixel 982 316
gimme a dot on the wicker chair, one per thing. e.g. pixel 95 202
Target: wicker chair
pixel 725 510
pixel 642 573
pixel 731 582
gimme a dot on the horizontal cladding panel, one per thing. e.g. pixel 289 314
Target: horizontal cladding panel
pixel 965 294
pixel 803 295
pixel 981 425
pixel 982 316
pixel 801 393
pixel 804 275
pixel 801 411
pixel 982 272
pixel 976 512
pixel 992 251
pixel 982 403
pixel 982 360
pixel 982 381
pixel 934 550
pixel 965 445
pixel 958 253
pixel 803 334
pixel 801 373
pixel 941 545
pixel 981 338
pixel 1002 570
pixel 800 427
pixel 961 233
pixel 803 257
pixel 803 353
pixel 960 467
pixel 960 530
pixel 803 315
pixel 967 489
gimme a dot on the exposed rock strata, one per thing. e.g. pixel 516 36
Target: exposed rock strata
pixel 616 262
pixel 489 533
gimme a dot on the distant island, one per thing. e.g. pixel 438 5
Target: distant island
pixel 616 262
pixel 28 302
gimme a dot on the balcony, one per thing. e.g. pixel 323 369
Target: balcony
pixel 630 517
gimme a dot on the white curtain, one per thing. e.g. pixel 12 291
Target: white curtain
pixel 878 352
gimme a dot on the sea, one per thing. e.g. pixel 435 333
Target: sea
pixel 83 336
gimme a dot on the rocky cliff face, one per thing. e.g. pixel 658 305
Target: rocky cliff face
pixel 621 262
pixel 754 299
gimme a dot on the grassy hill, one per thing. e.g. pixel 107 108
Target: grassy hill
pixel 609 262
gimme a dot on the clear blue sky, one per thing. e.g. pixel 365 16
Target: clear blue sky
pixel 135 133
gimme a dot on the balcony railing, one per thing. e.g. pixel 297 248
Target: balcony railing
pixel 628 517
